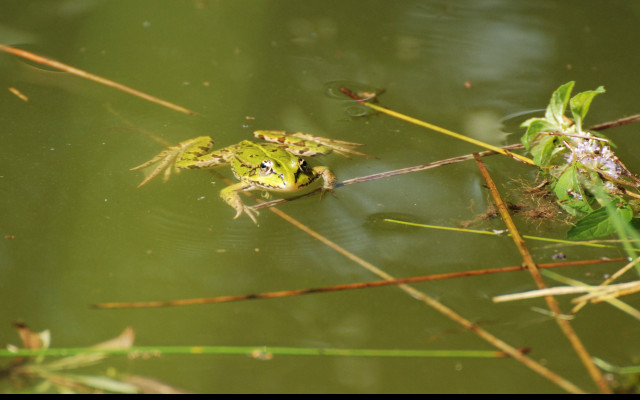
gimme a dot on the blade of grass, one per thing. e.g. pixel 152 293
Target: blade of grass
pixel 86 75
pixel 565 325
pixel 633 369
pixel 255 351
pixel 447 228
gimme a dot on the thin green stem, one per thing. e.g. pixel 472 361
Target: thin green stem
pixel 255 351
pixel 571 242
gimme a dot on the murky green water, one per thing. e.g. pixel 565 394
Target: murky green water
pixel 75 230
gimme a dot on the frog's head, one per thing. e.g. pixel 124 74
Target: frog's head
pixel 284 175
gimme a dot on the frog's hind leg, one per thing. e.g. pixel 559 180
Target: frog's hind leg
pixel 231 197
pixel 307 145
pixel 170 159
pixel 198 155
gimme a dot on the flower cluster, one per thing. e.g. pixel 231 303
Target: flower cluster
pixel 594 155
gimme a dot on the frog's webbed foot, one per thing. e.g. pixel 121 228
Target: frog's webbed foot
pixel 167 159
pixel 306 145
pixel 166 162
pixel 337 146
pixel 247 210
pixel 231 197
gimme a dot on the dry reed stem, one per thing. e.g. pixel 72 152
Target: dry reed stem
pixel 598 294
pixel 612 278
pixel 593 292
pixel 86 75
pixel 565 326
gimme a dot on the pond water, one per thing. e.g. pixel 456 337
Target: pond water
pixel 75 230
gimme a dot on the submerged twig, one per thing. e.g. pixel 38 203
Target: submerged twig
pixel 83 74
pixel 19 94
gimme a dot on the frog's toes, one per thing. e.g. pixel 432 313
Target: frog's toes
pixel 246 210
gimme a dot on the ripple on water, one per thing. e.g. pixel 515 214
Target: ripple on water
pixel 280 245
pixel 352 107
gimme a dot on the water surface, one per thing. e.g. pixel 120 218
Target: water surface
pixel 78 231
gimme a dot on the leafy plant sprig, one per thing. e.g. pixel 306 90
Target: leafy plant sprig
pixel 584 172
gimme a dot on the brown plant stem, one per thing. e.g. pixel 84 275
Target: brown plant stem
pixel 336 288
pixel 565 326
pixel 617 122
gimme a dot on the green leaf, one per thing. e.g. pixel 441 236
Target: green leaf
pixel 580 105
pixel 558 104
pixel 571 196
pixel 534 127
pixel 543 151
pixel 599 223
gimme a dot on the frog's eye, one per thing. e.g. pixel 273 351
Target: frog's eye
pixel 266 167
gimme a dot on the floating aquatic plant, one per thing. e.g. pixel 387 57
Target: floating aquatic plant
pixel 583 170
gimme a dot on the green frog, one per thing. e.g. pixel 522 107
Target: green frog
pixel 275 166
